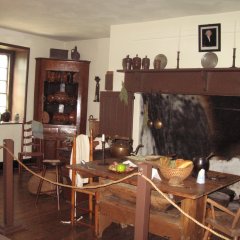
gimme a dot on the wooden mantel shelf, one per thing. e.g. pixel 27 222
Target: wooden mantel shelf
pixel 204 81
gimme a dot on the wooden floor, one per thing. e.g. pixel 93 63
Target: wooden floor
pixel 43 222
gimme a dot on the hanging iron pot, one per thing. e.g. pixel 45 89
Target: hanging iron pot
pixel 157 124
pixel 150 123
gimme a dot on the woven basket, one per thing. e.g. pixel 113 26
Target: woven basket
pixel 181 173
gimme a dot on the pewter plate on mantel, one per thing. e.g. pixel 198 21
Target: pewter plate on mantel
pixel 209 60
pixel 160 62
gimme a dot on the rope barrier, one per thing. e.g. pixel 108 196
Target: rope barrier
pixel 118 181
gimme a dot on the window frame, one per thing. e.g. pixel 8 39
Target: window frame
pixel 25 52
pixel 10 80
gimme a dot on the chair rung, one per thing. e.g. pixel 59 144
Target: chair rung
pixel 91 191
pixel 28 137
pixel 27 130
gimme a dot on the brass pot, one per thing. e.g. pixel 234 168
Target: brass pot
pixel 121 147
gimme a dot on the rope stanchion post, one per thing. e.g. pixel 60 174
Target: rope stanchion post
pixel 142 204
pixel 8 224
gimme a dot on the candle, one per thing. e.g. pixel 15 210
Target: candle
pixel 234 34
pixel 179 38
pixel 103 137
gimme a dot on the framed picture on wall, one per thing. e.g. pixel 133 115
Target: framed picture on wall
pixel 209 37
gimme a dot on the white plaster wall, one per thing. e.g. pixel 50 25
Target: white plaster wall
pixel 168 36
pixel 39 47
pixel 96 51
pixel 231 166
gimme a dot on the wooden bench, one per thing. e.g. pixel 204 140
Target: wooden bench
pixel 117 203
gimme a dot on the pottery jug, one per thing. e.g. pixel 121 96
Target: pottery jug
pixel 127 63
pixel 200 163
pixel 75 55
pixel 157 64
pixel 6 116
pixel 136 65
pixel 145 63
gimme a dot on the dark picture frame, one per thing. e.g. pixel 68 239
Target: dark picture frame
pixel 209 37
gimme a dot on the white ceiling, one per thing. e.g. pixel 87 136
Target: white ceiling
pixel 69 20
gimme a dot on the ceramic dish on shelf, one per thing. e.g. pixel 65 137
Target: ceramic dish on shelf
pixel 160 62
pixel 209 60
pixel 45 117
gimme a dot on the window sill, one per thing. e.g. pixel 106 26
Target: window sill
pixel 9 123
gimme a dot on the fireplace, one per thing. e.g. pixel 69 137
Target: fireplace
pixel 203 107
pixel 192 125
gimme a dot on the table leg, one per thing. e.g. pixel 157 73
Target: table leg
pixel 143 202
pixel 196 208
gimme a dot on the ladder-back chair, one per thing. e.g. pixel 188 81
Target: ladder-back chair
pixel 222 220
pixel 92 193
pixel 31 144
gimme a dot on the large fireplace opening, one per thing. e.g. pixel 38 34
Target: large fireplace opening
pixel 190 125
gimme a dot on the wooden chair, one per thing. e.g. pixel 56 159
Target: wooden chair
pixel 92 193
pixel 222 220
pixel 31 146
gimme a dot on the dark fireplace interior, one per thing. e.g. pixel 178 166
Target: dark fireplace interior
pixel 192 125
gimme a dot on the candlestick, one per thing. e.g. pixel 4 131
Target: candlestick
pixel 179 39
pixel 234 34
pixel 234 57
pixel 103 137
pixel 178 58
pixel 103 151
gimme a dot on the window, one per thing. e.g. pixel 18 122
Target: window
pixel 4 81
pixel 14 62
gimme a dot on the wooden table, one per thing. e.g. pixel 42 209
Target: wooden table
pixel 194 195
